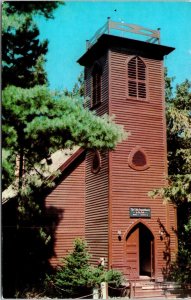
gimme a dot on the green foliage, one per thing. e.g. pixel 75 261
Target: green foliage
pixel 8 163
pixel 21 62
pixel 15 13
pixel 114 277
pixel 38 123
pixel 11 21
pixel 72 276
pixel 44 8
pixel 179 130
pixel 96 275
pixel 78 89
pixel 76 276
pixel 179 144
pixel 178 191
pixel 181 269
pixel 23 55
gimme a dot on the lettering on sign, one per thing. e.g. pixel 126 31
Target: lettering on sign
pixel 140 212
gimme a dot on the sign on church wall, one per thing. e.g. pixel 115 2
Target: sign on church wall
pixel 140 212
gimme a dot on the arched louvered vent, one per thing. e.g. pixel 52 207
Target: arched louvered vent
pixel 96 84
pixel 96 162
pixel 138 159
pixel 136 78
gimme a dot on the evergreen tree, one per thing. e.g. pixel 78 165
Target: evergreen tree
pixel 78 89
pixel 44 8
pixel 22 56
pixel 76 277
pixel 178 113
pixel 178 191
pixel 32 109
pixel 37 123
pixel 72 276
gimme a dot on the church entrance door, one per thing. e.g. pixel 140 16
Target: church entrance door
pixel 140 251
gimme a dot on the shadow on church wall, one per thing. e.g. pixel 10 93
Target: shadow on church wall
pixel 165 238
pixel 27 246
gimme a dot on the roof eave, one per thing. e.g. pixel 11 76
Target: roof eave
pixel 11 192
pixel 107 41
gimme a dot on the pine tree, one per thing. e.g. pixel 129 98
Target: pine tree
pixel 22 56
pixel 179 190
pixel 76 277
pixel 44 8
pixel 35 123
pixel 78 89
pixel 72 277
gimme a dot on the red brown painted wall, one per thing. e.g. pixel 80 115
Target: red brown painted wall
pixel 129 188
pixel 96 211
pixel 66 205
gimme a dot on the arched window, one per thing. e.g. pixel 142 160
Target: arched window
pixel 136 72
pixel 96 84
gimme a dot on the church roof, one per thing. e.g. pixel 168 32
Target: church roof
pixel 60 160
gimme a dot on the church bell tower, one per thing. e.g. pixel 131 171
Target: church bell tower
pixel 125 77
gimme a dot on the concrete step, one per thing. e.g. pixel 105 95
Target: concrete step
pixel 148 292
pixel 145 288
pixel 159 291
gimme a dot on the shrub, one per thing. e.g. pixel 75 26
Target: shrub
pixel 181 268
pixel 71 277
pixel 76 277
pixel 114 277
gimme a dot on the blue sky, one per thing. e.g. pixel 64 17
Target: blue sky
pixel 75 22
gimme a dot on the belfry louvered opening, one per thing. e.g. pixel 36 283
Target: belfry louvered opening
pixel 96 84
pixel 136 71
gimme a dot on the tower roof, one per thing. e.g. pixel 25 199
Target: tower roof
pixel 132 46
pixel 107 37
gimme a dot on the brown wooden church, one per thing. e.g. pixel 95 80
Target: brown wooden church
pixel 103 197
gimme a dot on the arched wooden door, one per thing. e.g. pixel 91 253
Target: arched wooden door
pixel 132 252
pixel 140 252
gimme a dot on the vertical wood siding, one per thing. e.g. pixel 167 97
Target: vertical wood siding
pixel 65 209
pixel 146 122
pixel 96 209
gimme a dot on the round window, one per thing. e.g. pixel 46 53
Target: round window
pixel 138 159
pixel 96 162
